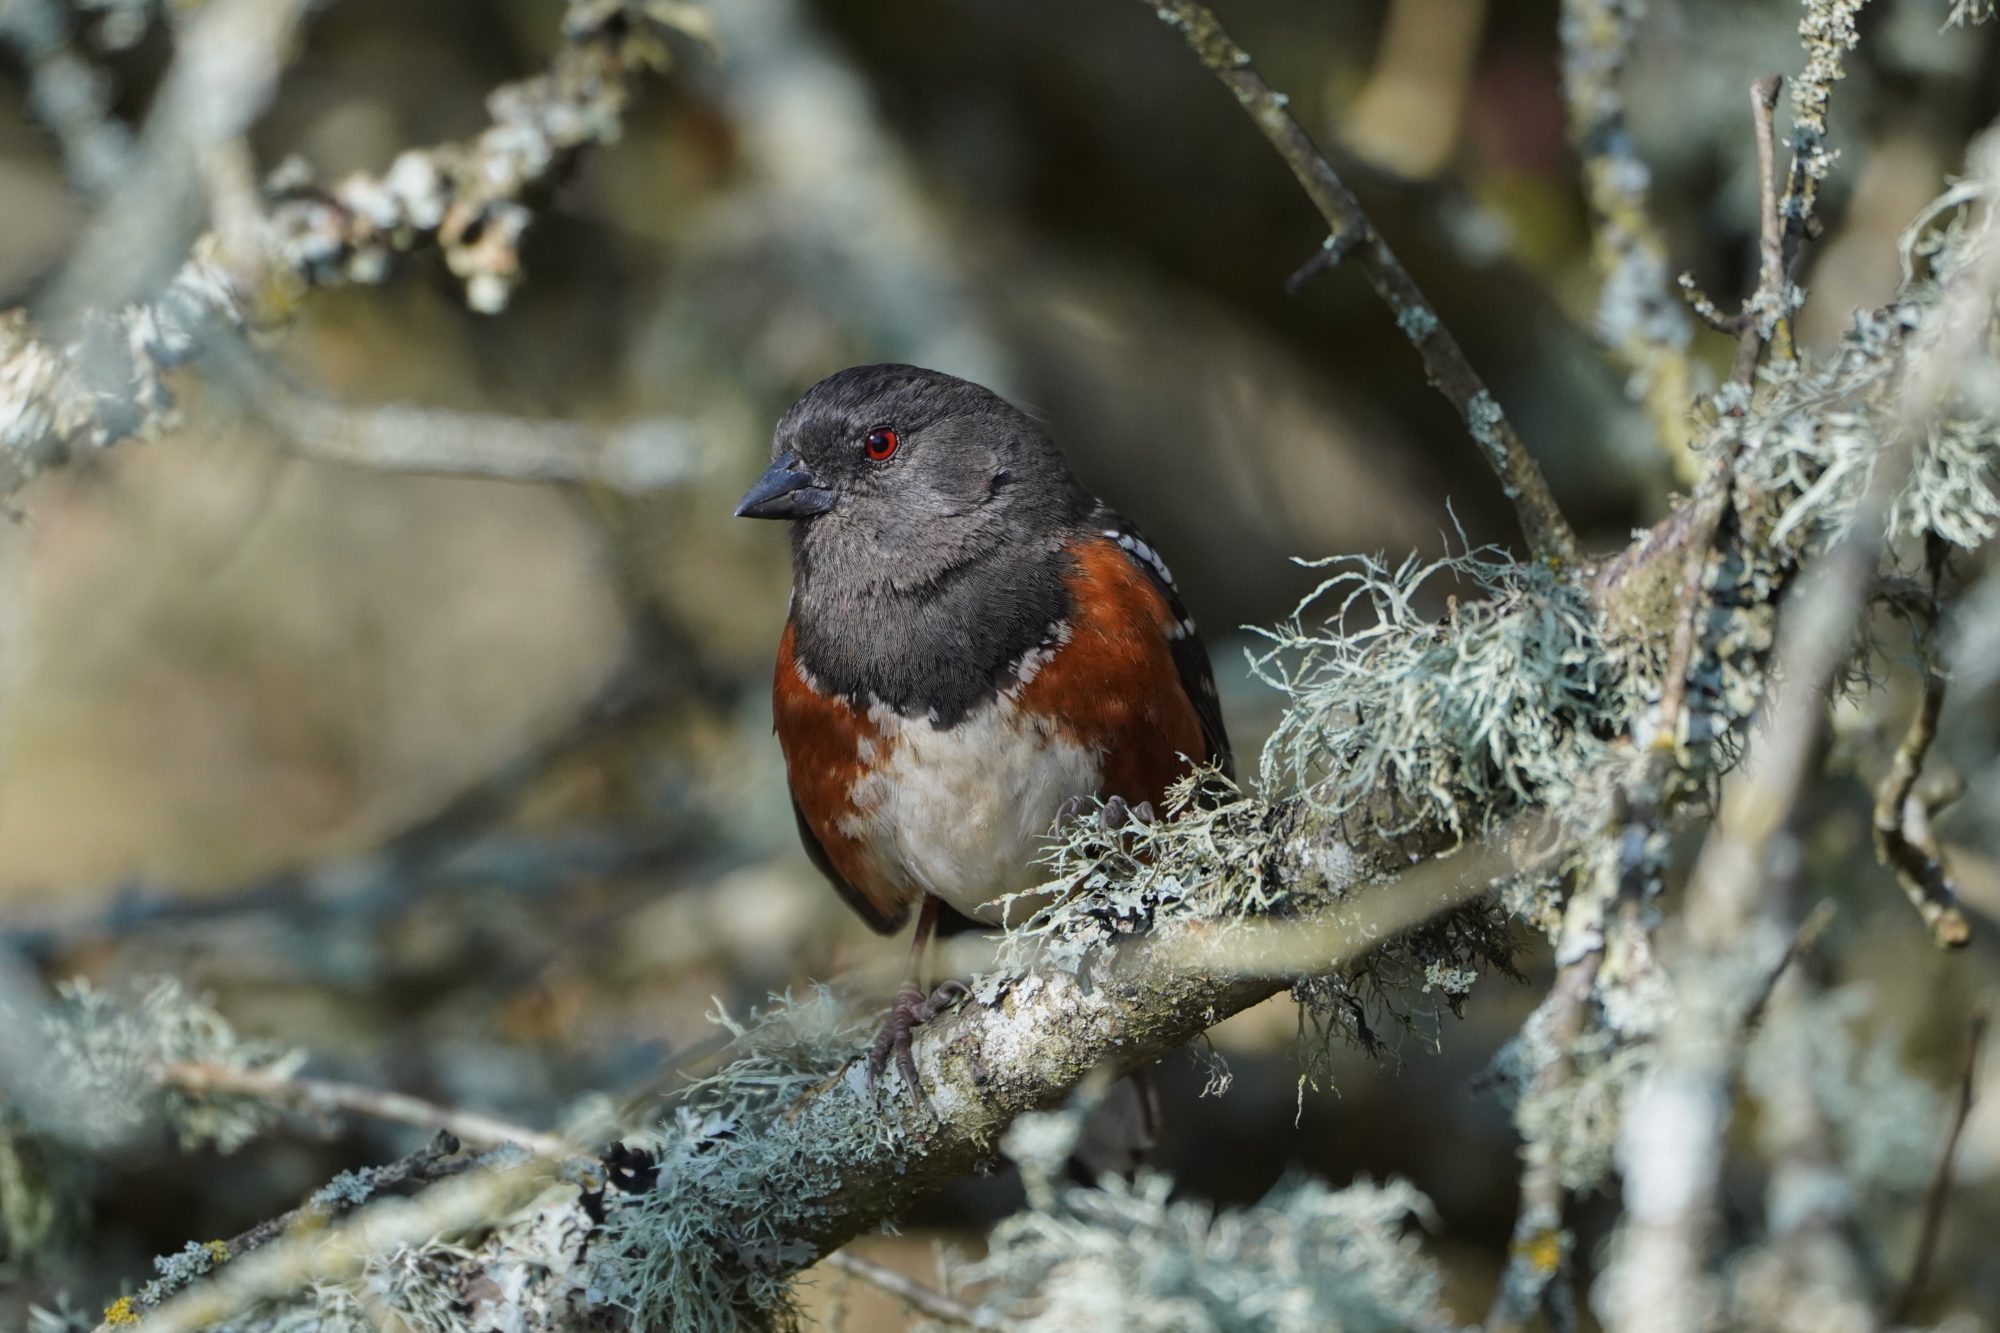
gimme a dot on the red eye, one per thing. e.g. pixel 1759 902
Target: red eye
pixel 880 443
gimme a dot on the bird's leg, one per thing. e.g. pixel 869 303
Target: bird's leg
pixel 912 1007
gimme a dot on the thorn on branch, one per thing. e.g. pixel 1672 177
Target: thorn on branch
pixel 1331 251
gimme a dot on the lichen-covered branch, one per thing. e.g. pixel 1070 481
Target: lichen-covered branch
pixel 1354 236
pixel 1672 1141
pixel 1638 313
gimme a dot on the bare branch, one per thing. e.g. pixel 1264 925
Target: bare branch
pixel 924 1300
pixel 324 1097
pixel 1770 249
pixel 1547 531
pixel 1904 841
pixel 1939 1194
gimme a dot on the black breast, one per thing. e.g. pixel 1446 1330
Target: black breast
pixel 941 652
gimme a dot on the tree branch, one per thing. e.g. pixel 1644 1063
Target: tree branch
pixel 1547 531
pixel 1939 1193
pixel 321 1096
pixel 105 383
pixel 924 1300
pixel 1637 314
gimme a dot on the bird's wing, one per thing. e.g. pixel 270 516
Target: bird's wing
pixel 1190 654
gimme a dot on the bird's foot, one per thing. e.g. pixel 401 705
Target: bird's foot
pixel 910 1010
pixel 1113 815
pixel 1117 814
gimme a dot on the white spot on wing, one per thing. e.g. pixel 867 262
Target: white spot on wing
pixel 1143 552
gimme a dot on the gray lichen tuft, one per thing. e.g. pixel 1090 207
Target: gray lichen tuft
pixel 1400 722
pixel 1128 1256
pixel 708 1243
pixel 105 1053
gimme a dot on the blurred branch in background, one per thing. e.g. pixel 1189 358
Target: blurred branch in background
pixel 1638 314
pixel 1407 118
pixel 118 328
pixel 66 92
pixel 1353 235
pixel 639 456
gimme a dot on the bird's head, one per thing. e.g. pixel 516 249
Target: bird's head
pixel 898 474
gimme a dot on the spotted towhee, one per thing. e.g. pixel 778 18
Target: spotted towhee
pixel 976 645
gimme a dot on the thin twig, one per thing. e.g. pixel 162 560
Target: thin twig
pixel 437 1160
pixel 1548 532
pixel 1750 335
pixel 1708 507
pixel 924 1300
pixel 1802 942
pixel 1705 307
pixel 1904 841
pixel 1939 1193
pixel 325 1096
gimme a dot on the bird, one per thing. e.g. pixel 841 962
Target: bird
pixel 975 648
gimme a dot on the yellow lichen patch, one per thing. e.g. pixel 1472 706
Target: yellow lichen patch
pixel 1543 1250
pixel 120 1313
pixel 218 1250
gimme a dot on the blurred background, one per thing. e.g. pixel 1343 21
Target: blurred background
pixel 468 786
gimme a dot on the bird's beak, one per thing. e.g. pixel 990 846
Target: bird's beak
pixel 786 490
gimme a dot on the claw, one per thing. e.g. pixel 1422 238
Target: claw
pixel 1117 814
pixel 910 1010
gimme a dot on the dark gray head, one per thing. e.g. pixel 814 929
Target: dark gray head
pixel 894 476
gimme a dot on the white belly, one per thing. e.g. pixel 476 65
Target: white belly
pixel 962 813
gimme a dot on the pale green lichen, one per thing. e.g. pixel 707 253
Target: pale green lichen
pixel 104 1056
pixel 1826 424
pixel 707 1244
pixel 1885 1124
pixel 1403 722
pixel 1128 1256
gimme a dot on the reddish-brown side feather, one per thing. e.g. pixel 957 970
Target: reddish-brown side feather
pixel 821 736
pixel 1114 685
